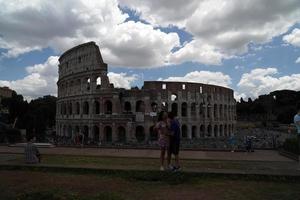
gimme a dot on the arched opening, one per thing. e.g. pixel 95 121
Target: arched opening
pixel 215 110
pixel 127 107
pixel 70 132
pixel 201 109
pixel 225 111
pixel 209 130
pixel 225 130
pixel 229 130
pixel 70 109
pixel 193 109
pixel 140 106
pixel 153 134
pixel 174 109
pixel 194 131
pixel 121 134
pixel 154 107
pixel 164 106
pixel 108 107
pixel 77 130
pixel 221 111
pixel 202 130
pixel 98 82
pixel 88 83
pixel 96 133
pixel 216 131
pixel 184 131
pixel 173 97
pixel 208 111
pixel 221 130
pixel 184 109
pixel 97 107
pixel 140 133
pixel 85 108
pixel 108 134
pixel 77 108
pixel 85 134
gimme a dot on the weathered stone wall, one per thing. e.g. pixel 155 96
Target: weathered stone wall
pixel 88 104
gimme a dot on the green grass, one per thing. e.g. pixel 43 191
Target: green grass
pixel 151 164
pixel 147 185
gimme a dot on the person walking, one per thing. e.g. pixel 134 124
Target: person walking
pixel 174 142
pixel 162 128
pixel 297 123
pixel 32 154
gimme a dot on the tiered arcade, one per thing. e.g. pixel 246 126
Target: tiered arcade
pixel 89 104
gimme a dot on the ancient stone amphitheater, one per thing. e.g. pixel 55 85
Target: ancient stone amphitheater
pixel 88 104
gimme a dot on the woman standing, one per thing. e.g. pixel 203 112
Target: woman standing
pixel 162 127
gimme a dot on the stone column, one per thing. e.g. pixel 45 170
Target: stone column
pixel 189 131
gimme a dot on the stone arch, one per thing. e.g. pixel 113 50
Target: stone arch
pixel 209 110
pixel 70 108
pixel 98 82
pixel 70 131
pixel 96 133
pixel 194 131
pixel 153 134
pixel 174 108
pixel 216 131
pixel 202 130
pixel 85 134
pixel 140 134
pixel 88 83
pixel 108 107
pixel 164 106
pixel 215 111
pixel 221 111
pixel 184 131
pixel 209 130
pixel 108 134
pixel 127 107
pixel 201 109
pixel 221 130
pixel 85 108
pixel 121 134
pixel 96 107
pixel 174 97
pixel 193 109
pixel 77 108
pixel 184 109
pixel 140 106
pixel 154 107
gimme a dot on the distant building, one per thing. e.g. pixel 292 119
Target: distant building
pixel 89 104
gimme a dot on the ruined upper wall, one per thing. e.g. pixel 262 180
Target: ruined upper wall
pixel 82 58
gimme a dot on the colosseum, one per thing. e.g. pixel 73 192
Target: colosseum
pixel 88 104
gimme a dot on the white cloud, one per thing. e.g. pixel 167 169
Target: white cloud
pixel 293 38
pixel 163 12
pixel 206 77
pixel 41 80
pixel 223 26
pixel 263 81
pixel 34 25
pixel 122 80
pixel 297 60
pixel 197 51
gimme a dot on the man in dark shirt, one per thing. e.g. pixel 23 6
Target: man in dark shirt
pixel 174 142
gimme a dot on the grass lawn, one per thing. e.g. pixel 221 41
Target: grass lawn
pixel 35 185
pixel 147 163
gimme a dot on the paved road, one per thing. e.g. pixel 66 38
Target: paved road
pixel 259 155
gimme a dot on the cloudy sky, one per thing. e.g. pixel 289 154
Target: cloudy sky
pixel 251 46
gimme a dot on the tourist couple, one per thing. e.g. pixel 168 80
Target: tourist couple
pixel 168 130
